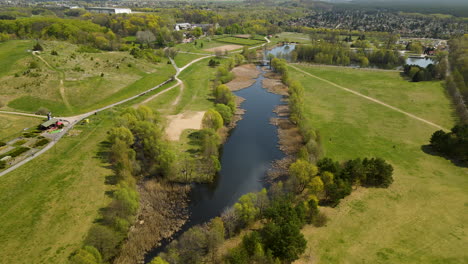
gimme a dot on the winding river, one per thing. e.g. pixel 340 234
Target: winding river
pixel 246 156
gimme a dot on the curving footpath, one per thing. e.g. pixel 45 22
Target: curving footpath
pixel 371 99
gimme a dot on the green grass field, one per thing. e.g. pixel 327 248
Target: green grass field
pixel 48 204
pixel 422 217
pixel 75 82
pixel 197 91
pixel 11 126
pixel 183 59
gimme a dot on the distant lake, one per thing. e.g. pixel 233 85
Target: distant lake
pixel 423 62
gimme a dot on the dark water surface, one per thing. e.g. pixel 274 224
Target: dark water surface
pixel 246 157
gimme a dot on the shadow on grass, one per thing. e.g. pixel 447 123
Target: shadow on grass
pixel 195 140
pixel 430 151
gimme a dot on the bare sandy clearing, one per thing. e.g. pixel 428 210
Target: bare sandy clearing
pixel 178 123
pixel 245 75
pixel 225 47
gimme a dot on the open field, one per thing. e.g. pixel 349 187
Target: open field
pixel 240 41
pixel 290 37
pixel 11 126
pixel 44 210
pixel 202 44
pixel 183 59
pixel 422 217
pixel 75 82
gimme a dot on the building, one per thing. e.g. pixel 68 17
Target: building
pixel 51 123
pixel 182 26
pixel 109 10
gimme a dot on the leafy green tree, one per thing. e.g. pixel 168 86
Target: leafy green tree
pixel 301 173
pixel 212 120
pixel 285 240
pixel 246 208
pixel 225 112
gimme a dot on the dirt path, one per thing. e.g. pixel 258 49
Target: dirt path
pixel 61 77
pixel 371 99
pixel 23 114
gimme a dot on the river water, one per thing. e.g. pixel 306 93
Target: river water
pixel 246 157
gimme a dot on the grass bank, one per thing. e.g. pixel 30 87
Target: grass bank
pixel 48 204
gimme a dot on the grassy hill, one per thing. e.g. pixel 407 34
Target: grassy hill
pixel 72 81
pixel 422 217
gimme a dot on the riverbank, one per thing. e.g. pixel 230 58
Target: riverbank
pixel 163 211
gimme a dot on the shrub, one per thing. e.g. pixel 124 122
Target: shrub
pixel 41 142
pixel 103 239
pixel 54 53
pixel 2 164
pixel 15 152
pixel 2 143
pixel 42 111
pixel 37 47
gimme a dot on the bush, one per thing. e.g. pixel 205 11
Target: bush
pixel 41 142
pixel 42 111
pixel 2 143
pixel 37 47
pixel 2 164
pixel 54 53
pixel 105 240
pixel 15 152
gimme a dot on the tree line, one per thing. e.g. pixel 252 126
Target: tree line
pixel 339 54
pixel 137 149
pixel 457 82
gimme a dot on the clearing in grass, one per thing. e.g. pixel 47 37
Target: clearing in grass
pixel 419 218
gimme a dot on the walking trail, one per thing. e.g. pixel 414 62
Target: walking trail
pixel 73 120
pixel 370 99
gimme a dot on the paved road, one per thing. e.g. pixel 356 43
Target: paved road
pixel 370 99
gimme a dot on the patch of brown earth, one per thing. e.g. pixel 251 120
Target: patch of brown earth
pixel 178 123
pixel 245 76
pixel 163 211
pixel 224 48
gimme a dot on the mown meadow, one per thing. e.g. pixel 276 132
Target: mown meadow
pixel 418 218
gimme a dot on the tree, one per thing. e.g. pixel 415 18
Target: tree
pixel 301 173
pixel 158 260
pixel 145 37
pixel 225 112
pixel 246 208
pixel 214 237
pixel 212 120
pixel 223 95
pixel 285 241
pixel 103 239
pixel 86 255
pixel 378 172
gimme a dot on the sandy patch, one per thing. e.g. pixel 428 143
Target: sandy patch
pixel 178 123
pixel 245 76
pixel 225 47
